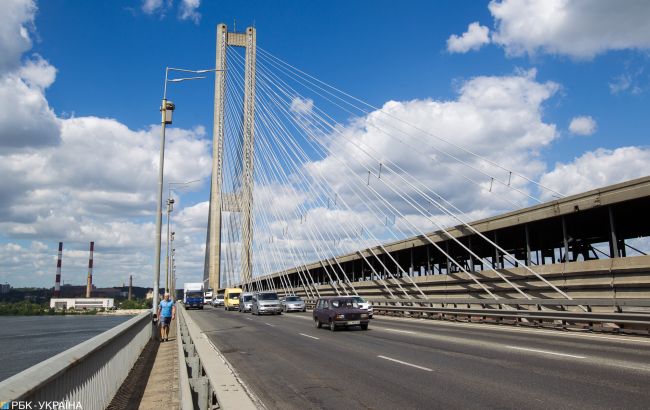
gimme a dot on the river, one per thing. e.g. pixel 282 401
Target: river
pixel 28 340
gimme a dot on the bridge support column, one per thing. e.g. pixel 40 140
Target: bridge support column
pixel 613 242
pixel 214 222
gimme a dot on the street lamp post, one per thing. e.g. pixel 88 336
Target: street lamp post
pixel 167 110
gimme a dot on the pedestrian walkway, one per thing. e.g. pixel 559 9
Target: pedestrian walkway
pixel 162 390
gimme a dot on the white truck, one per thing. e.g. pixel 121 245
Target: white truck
pixel 193 295
pixel 207 297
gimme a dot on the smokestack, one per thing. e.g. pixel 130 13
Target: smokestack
pixel 89 285
pixel 130 285
pixel 57 281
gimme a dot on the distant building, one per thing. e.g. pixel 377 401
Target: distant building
pixel 82 303
pixel 5 288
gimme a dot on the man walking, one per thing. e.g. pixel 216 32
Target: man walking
pixel 166 313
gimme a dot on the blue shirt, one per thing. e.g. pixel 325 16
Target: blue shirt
pixel 166 308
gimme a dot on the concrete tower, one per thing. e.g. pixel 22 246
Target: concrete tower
pixel 240 201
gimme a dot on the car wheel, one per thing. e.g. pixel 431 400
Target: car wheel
pixel 364 327
pixel 332 326
pixel 304 310
pixel 317 323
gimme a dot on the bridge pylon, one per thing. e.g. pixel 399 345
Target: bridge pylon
pixel 241 201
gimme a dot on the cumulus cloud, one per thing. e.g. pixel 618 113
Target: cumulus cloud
pixel 474 38
pixel 188 10
pixel 302 105
pixel 583 125
pixel 153 6
pixel 499 117
pixel 16 21
pixel 77 179
pixel 580 29
pixel 598 168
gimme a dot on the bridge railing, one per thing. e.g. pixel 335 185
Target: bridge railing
pixel 624 313
pixel 206 378
pixel 89 374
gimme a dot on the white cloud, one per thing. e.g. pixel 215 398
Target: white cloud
pixel 474 38
pixel 302 105
pixel 16 21
pixel 598 168
pixel 77 179
pixel 498 117
pixel 583 125
pixel 580 29
pixel 152 6
pixel 188 10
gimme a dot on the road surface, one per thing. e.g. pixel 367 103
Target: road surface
pixel 410 363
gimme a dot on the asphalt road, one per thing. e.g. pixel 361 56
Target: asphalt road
pixel 409 363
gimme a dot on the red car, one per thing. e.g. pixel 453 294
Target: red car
pixel 340 311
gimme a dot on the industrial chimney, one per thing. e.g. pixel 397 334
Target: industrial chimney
pixel 89 285
pixel 57 281
pixel 130 285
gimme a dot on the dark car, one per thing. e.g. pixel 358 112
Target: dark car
pixel 339 311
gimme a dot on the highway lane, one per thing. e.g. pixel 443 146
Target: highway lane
pixel 428 364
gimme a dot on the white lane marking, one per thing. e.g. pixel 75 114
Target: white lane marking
pixel 396 330
pixel 268 324
pixel 248 318
pixel 546 352
pixel 405 363
pixel 299 317
pixel 313 337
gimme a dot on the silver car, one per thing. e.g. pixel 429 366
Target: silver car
pixel 293 304
pixel 266 302
pixel 365 305
pixel 246 302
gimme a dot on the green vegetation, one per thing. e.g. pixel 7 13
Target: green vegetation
pixel 26 308
pixel 135 304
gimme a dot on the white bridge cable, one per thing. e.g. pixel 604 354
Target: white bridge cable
pixel 435 245
pixel 445 210
pixel 419 152
pixel 342 271
pixel 405 274
pixel 259 207
pixel 303 178
pixel 407 198
pixel 316 81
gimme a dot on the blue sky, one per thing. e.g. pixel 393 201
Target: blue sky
pixel 110 57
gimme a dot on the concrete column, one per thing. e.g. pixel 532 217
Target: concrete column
pixel 247 158
pixel 214 223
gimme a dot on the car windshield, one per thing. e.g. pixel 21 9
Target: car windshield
pixel 233 296
pixel 359 299
pixel 194 294
pixel 220 296
pixel 268 296
pixel 247 298
pixel 345 303
pixel 292 299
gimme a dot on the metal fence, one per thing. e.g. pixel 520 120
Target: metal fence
pixel 89 374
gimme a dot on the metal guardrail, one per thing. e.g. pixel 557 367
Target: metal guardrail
pixel 511 309
pixel 89 374
pixel 210 381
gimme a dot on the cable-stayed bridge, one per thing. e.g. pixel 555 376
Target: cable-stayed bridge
pixel 317 192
